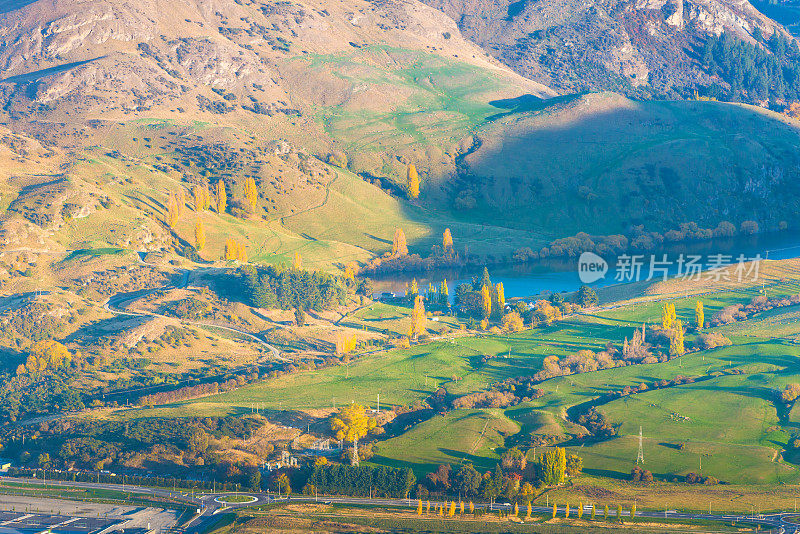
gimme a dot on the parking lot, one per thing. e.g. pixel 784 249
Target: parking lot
pixel 34 514
pixel 37 522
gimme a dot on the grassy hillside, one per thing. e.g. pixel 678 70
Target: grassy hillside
pixel 730 423
pixel 601 163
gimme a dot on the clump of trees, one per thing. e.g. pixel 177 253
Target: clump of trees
pixel 790 393
pixel 583 361
pixel 739 312
pixel 673 328
pixel 275 287
pixel 235 250
pixel 513 478
pixel 711 340
pixel 694 478
pixel 641 476
pixel 768 70
pixel 202 198
pixel 596 423
pixel 486 399
pixel 399 259
pixel 45 357
pixel 639 240
pixel 191 392
pixel 399 245
pixel 346 342
pixel 363 481
pixel 338 159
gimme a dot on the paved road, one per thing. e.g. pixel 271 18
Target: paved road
pixel 116 305
pixel 209 505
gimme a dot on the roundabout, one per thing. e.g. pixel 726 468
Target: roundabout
pixel 237 498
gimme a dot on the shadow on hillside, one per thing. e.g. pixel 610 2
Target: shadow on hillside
pixel 7 6
pixel 39 74
pixel 10 359
pixel 607 473
pixel 528 103
pixel 604 164
pixel 106 329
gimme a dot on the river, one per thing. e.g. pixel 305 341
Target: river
pixel 561 274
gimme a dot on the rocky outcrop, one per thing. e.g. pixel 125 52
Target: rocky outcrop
pixel 212 56
pixel 573 45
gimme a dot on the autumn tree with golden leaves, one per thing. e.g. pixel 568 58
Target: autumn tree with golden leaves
pixel 172 211
pixel 222 197
pixel 199 235
pixel 418 317
pixel 251 191
pixel 345 342
pixel 412 181
pixel 399 245
pixel 447 240
pixel 486 302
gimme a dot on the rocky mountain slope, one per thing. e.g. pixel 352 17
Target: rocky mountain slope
pixel 117 57
pixel 109 107
pixel 622 45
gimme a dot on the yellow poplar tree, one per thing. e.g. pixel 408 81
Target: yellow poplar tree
pixel 516 510
pixel 580 510
pixel 555 510
pixel 199 235
pixel 499 297
pixel 350 271
pixel 676 340
pixel 199 198
pixel 222 197
pixel 428 508
pixel 668 316
pixel 298 261
pixel 181 200
pixel 447 239
pixel 231 249
pixel 399 245
pixel 566 510
pixel 452 511
pixel 418 317
pixel 345 343
pixel 172 211
pixel 528 515
pixel 413 290
pixel 251 191
pixel 412 181
pixel 699 315
pixel 419 507
pixel 351 424
pixel 486 302
pixel 461 507
pixel 241 252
